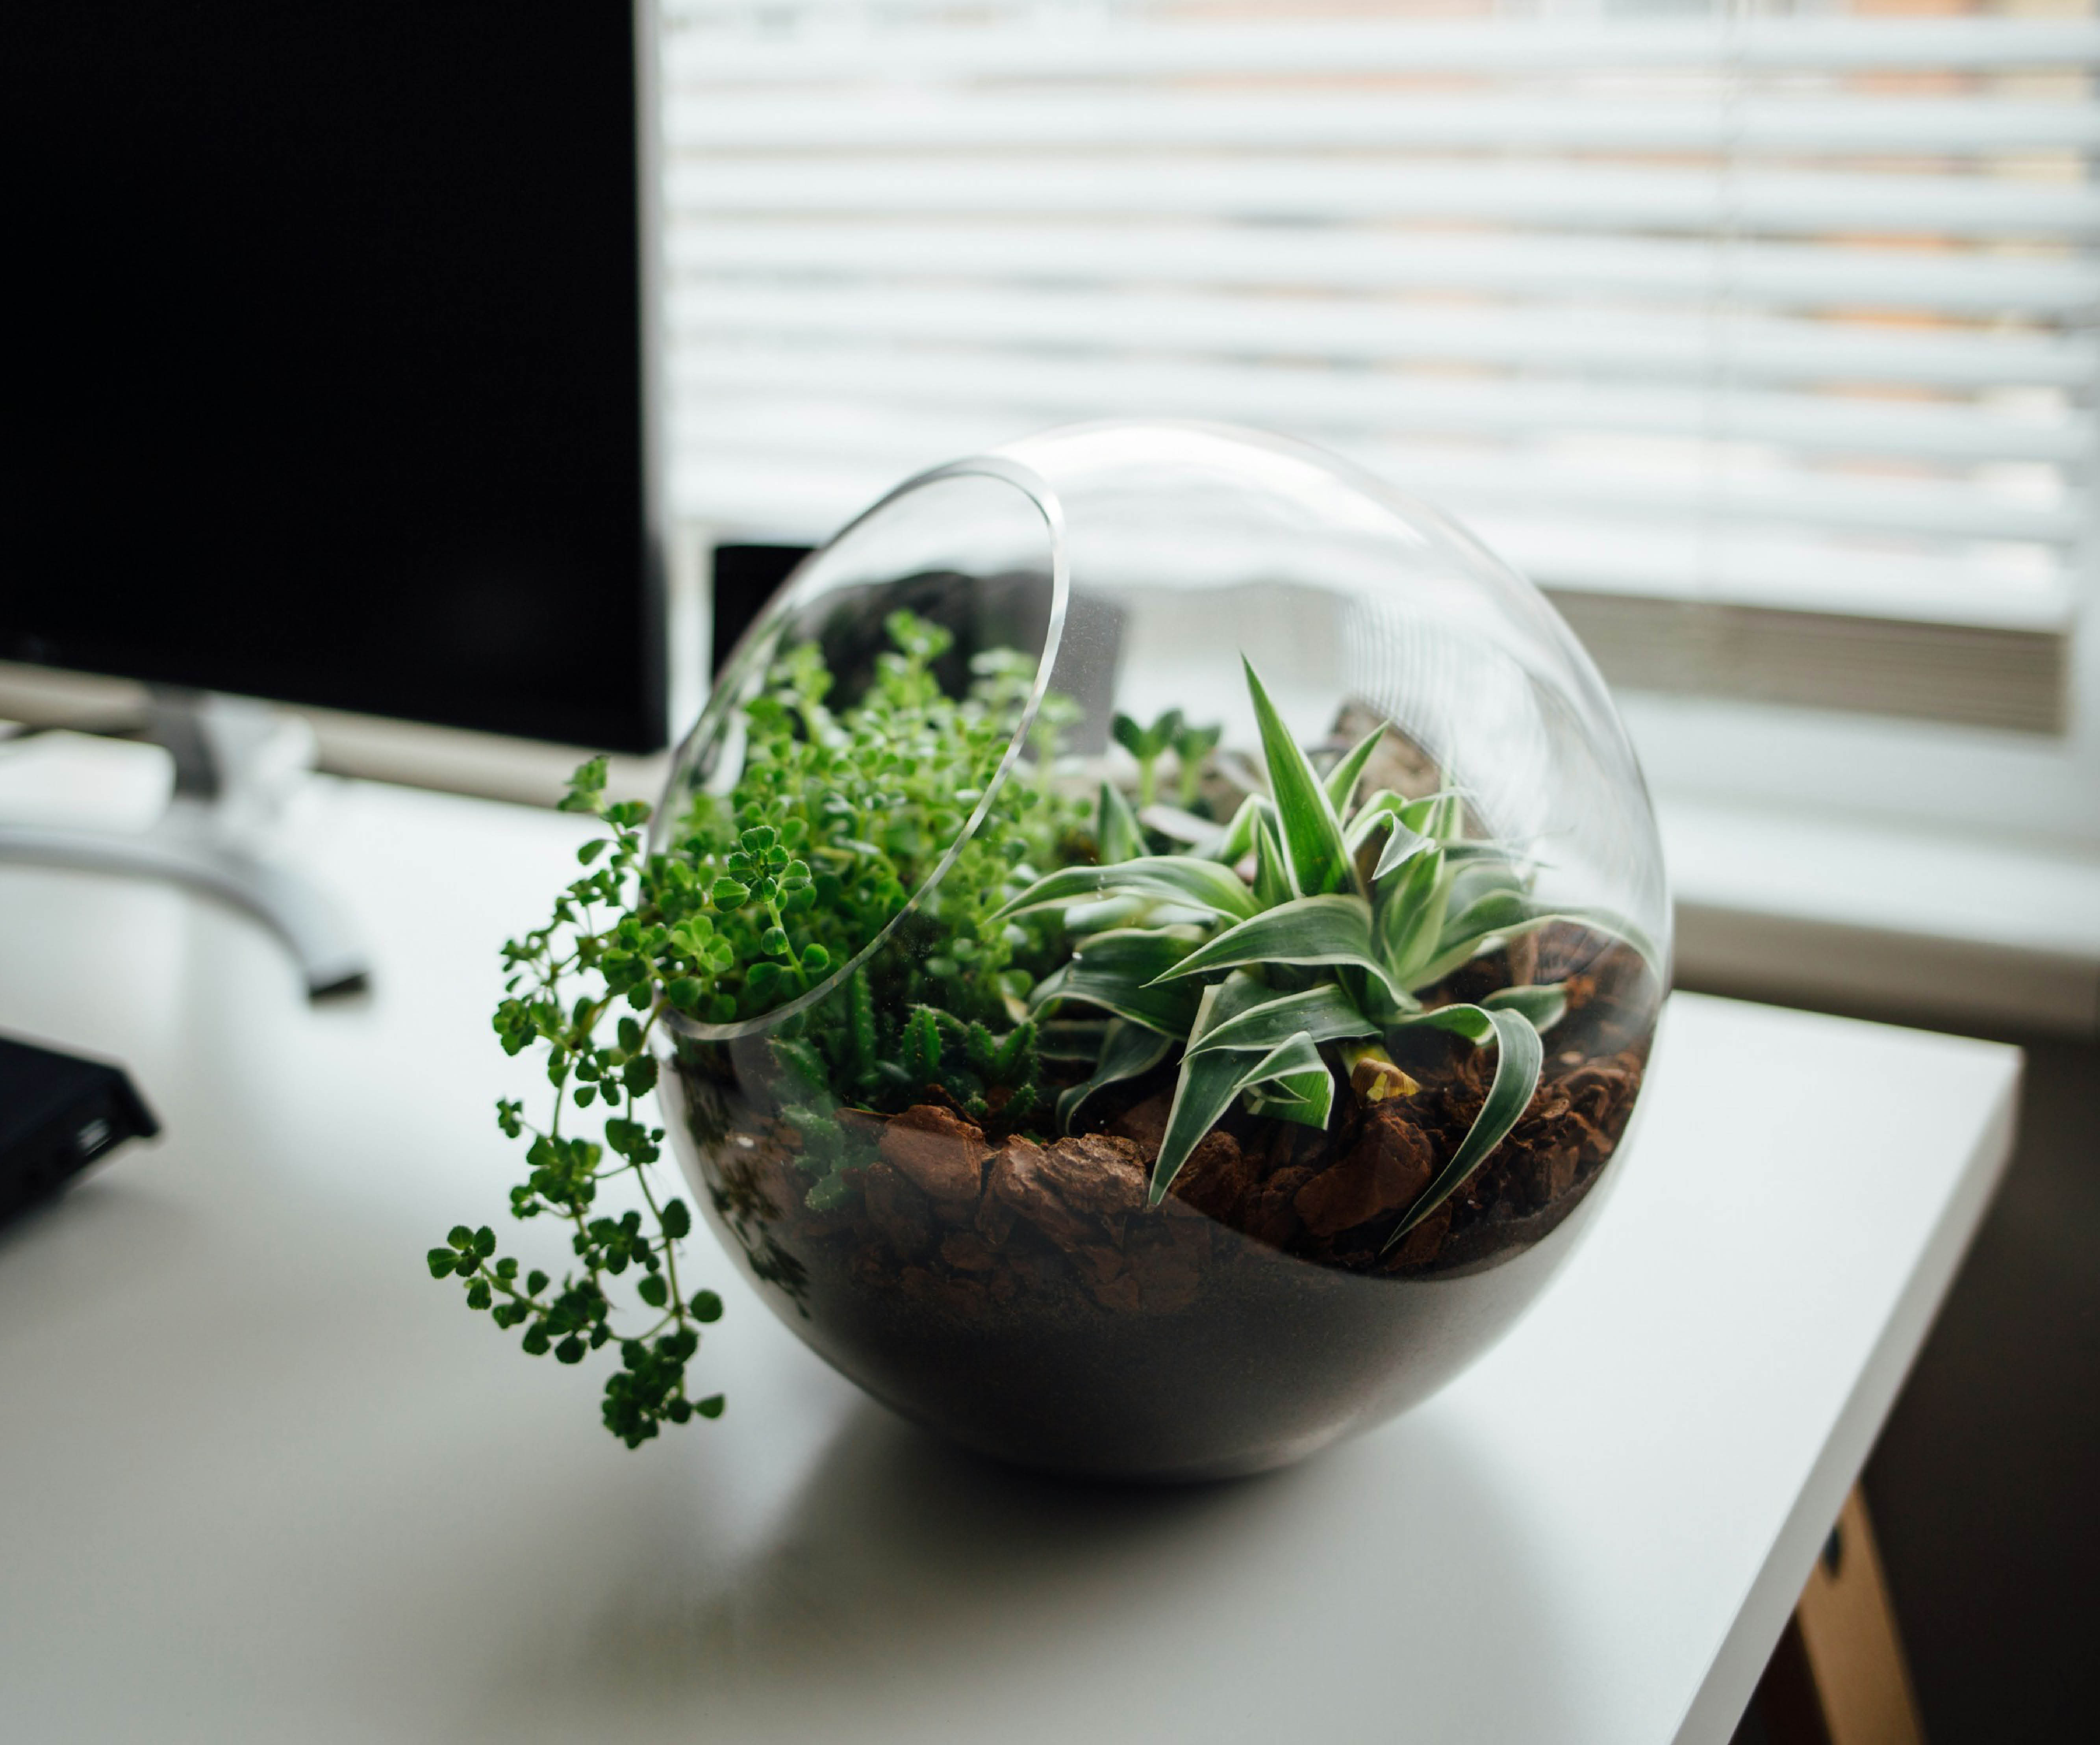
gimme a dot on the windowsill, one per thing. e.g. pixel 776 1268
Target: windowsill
pixel 1790 907
pixel 1783 906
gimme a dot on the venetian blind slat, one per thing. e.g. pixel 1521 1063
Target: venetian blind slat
pixel 1731 307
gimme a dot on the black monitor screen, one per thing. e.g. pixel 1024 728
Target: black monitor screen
pixel 325 371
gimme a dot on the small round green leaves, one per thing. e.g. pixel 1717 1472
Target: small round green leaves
pixel 747 902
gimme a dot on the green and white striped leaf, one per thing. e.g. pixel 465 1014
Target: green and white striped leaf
pixel 1374 997
pixel 1271 871
pixel 1441 815
pixel 1401 845
pixel 1604 921
pixel 1479 872
pixel 1544 1005
pixel 1117 834
pixel 1221 1002
pixel 1240 992
pixel 1100 914
pixel 1470 1022
pixel 1238 840
pixel 1120 972
pixel 1209 1082
pixel 1520 1054
pixel 1504 855
pixel 1325 1014
pixel 1370 817
pixel 1306 1098
pixel 1410 915
pixel 1173 878
pixel 1342 779
pixel 1307 930
pixel 1127 1050
pixel 1385 811
pixel 1478 914
pixel 1312 833
pixel 1491 917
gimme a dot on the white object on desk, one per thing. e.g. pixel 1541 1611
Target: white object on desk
pixel 262 1478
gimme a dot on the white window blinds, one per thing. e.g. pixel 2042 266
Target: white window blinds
pixel 1763 337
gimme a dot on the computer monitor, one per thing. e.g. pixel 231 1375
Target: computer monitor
pixel 327 368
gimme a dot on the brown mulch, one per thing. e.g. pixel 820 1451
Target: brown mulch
pixel 949 1215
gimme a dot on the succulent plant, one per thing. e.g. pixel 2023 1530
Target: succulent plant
pixel 1353 913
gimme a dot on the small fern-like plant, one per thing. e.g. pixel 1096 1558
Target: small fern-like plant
pixel 835 821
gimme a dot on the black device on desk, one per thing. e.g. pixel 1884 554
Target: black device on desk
pixel 58 1114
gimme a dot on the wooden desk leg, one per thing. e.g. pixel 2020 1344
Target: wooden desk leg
pixel 1838 1676
pixel 1848 1629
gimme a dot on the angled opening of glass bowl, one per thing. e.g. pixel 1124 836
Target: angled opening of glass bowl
pixel 977 548
pixel 1148 961
pixel 1206 1250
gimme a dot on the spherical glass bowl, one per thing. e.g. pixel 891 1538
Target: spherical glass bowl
pixel 1310 1103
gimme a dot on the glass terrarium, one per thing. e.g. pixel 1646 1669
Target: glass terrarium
pixel 1209 927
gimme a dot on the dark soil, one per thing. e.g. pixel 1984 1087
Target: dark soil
pixel 949 1215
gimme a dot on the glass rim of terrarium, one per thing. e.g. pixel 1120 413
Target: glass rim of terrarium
pixel 733 692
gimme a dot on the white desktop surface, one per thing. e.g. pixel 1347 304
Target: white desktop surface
pixel 262 1478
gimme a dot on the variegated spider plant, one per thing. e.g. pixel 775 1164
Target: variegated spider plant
pixel 1354 911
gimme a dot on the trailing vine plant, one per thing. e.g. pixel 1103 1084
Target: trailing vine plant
pixel 835 820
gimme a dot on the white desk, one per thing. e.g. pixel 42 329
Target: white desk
pixel 260 1478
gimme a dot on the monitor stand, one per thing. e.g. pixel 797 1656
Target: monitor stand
pixel 234 760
